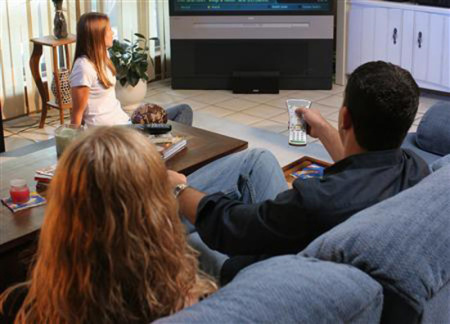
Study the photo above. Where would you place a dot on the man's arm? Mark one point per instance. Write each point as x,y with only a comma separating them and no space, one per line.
324,131
234,228
188,199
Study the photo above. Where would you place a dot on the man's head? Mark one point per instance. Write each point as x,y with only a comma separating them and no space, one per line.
380,103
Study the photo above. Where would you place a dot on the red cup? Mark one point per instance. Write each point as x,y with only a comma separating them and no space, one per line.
19,191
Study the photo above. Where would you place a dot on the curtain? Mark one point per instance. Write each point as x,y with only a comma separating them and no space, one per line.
21,20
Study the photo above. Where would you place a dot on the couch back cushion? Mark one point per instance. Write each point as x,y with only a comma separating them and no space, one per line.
403,243
433,133
290,289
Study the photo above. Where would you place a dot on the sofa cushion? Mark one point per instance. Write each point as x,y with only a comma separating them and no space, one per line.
411,144
290,289
433,133
403,243
436,165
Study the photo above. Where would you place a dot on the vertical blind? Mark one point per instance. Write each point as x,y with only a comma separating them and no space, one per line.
21,20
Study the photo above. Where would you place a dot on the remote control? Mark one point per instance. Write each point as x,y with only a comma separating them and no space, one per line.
297,126
153,129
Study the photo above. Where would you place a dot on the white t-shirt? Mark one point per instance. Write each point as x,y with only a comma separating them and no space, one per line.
103,108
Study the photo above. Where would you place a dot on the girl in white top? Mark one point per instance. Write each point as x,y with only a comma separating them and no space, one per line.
93,78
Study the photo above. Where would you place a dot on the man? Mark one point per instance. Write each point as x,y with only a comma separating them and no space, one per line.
380,104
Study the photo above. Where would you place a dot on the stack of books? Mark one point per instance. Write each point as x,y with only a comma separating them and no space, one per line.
168,145
43,177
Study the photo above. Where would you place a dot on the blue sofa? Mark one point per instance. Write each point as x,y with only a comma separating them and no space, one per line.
432,139
389,263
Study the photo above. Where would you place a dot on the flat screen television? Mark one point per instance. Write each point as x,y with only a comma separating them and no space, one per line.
250,7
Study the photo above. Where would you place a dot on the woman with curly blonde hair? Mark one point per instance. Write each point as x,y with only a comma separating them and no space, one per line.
112,248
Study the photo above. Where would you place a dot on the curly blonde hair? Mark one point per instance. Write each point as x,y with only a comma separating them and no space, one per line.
112,247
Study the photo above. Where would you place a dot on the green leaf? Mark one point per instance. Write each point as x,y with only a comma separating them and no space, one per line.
139,35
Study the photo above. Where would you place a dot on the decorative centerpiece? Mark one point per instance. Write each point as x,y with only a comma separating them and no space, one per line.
59,22
131,60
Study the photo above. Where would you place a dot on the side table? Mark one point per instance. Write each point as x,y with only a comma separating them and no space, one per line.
54,43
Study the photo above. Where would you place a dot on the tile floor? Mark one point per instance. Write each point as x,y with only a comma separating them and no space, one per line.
265,111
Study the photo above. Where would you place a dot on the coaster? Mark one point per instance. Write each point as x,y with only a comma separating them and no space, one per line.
35,200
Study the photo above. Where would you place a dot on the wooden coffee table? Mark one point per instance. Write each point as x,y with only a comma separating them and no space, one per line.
19,231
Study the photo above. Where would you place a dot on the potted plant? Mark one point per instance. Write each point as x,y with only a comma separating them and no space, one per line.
131,60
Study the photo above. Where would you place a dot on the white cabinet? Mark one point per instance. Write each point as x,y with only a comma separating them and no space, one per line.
414,37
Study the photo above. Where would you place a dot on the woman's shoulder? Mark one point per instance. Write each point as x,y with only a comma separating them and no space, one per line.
83,63
83,72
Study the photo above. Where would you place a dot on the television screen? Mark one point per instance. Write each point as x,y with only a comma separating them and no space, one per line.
249,7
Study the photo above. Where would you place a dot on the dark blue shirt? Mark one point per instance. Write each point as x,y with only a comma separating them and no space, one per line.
297,216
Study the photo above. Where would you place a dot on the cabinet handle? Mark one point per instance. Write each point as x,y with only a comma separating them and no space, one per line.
420,40
395,35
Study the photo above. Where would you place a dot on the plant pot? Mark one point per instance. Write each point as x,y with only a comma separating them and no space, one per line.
64,85
128,95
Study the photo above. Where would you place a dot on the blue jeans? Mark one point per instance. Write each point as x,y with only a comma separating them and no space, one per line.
180,113
250,176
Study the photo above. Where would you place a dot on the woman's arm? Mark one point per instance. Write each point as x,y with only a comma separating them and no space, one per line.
80,97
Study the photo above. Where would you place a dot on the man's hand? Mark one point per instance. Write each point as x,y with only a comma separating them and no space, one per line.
318,127
316,123
176,178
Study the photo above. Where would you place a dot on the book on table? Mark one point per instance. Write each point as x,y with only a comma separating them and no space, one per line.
168,145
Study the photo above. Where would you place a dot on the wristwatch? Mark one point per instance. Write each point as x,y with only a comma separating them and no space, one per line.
179,189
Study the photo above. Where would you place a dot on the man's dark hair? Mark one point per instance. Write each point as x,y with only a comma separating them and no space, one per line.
382,100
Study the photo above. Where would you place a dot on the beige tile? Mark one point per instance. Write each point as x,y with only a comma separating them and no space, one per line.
212,97
151,92
281,118
185,93
333,101
166,84
259,98
243,118
216,111
195,105
285,93
162,99
333,117
236,104
313,95
335,90
334,124
36,135
263,111
271,126
279,103
15,141
413,128
325,110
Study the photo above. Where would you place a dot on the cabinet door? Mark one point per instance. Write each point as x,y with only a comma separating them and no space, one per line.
446,54
354,38
380,48
395,36
421,40
407,40
435,49
368,35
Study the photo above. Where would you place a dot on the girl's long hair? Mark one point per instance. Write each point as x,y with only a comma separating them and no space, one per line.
91,30
112,248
